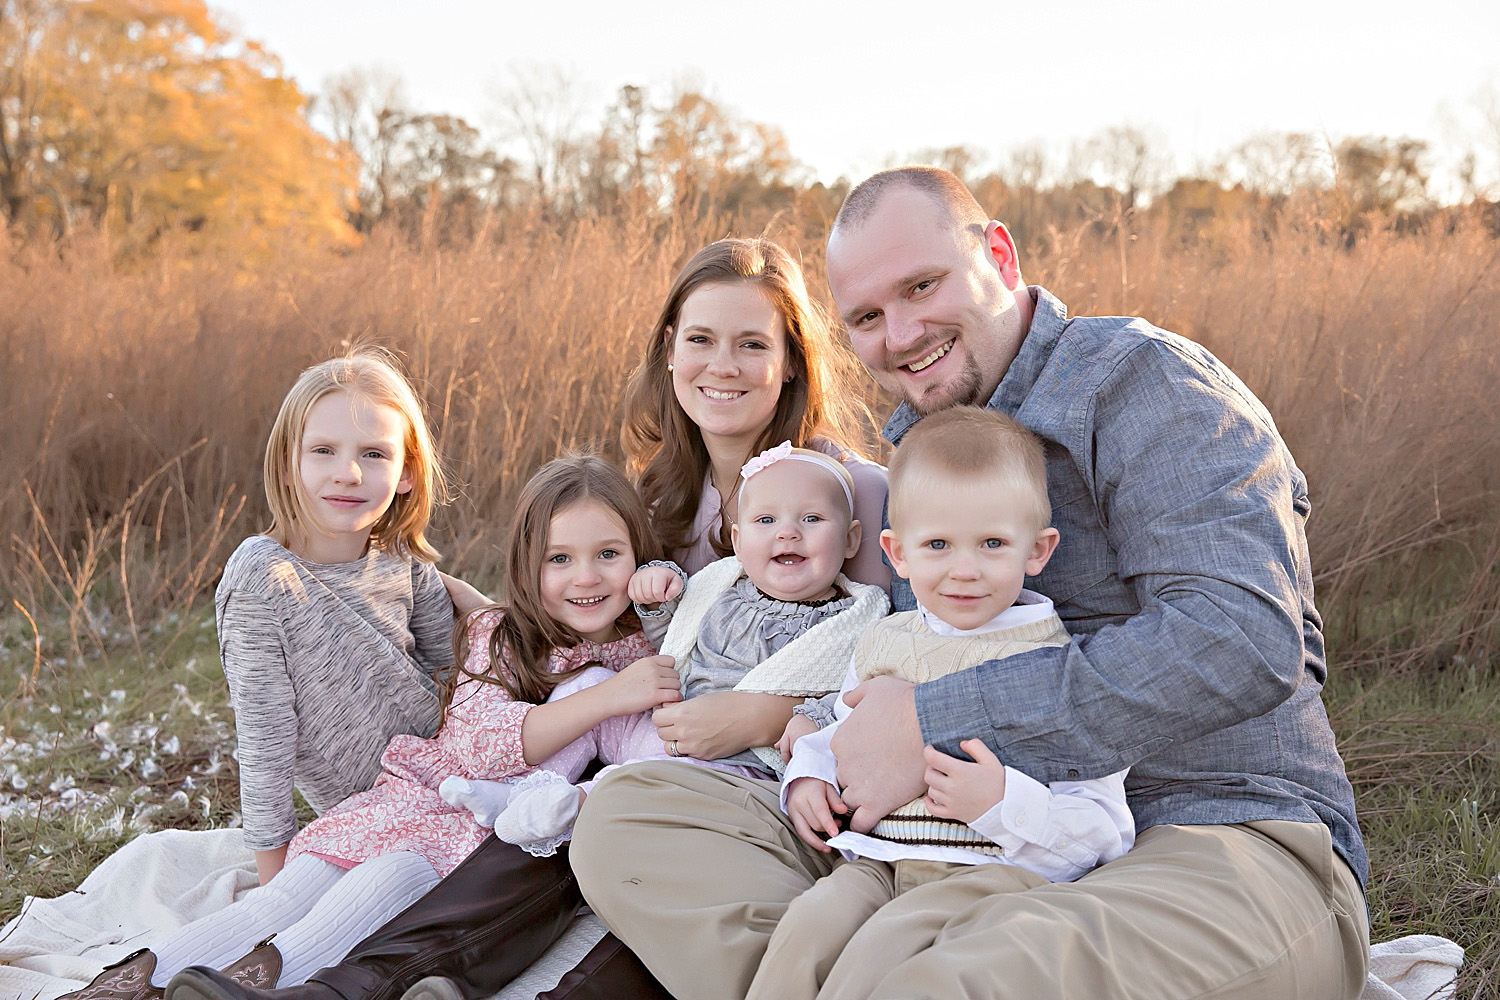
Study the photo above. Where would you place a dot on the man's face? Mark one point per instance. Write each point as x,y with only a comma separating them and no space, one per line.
929,306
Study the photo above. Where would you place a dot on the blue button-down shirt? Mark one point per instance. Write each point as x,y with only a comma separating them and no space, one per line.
1183,574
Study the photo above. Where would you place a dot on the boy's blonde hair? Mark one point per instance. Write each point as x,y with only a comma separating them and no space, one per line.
374,374
968,443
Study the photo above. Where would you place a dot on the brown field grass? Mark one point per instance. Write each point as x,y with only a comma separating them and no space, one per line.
136,400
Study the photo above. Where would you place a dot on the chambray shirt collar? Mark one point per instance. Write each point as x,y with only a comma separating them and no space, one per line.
1049,317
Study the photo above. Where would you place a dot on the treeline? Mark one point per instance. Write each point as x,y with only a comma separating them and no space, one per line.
148,121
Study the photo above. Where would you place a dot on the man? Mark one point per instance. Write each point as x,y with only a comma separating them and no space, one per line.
1197,663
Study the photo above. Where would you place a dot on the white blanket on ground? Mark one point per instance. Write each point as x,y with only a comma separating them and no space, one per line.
144,891
160,881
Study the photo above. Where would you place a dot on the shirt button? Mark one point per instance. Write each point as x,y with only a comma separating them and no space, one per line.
1072,772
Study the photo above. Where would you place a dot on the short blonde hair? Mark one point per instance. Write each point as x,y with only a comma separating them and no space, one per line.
967,443
374,374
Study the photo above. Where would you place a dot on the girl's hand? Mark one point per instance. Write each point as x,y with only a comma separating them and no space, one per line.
810,804
799,727
645,684
723,723
651,585
961,789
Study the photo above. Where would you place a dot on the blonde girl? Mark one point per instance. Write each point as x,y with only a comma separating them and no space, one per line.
334,627
574,539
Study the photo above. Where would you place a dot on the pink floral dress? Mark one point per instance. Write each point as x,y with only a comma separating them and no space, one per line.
479,738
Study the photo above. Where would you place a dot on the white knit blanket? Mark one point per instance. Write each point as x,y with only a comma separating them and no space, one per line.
810,666
160,881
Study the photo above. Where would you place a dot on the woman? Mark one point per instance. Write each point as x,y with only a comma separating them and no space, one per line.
739,360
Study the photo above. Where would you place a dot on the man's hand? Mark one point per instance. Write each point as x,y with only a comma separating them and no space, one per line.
879,750
799,727
651,585
961,789
810,805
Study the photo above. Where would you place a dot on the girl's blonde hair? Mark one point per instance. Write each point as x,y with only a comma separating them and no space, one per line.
521,643
665,450
375,375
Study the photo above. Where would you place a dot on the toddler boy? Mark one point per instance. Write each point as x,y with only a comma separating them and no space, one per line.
969,519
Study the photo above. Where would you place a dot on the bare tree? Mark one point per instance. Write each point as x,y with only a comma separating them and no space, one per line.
542,107
1279,163
1131,159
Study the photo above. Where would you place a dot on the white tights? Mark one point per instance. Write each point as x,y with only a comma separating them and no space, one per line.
317,910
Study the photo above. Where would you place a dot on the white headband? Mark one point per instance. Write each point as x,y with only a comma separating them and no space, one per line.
784,451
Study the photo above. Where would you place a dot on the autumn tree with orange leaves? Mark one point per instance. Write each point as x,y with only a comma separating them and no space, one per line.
147,119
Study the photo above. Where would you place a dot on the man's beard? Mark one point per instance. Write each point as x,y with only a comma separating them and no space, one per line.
961,390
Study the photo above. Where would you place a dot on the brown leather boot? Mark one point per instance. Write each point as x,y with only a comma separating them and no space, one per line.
198,982
127,979
259,969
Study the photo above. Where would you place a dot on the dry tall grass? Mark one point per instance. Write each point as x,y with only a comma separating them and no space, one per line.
136,400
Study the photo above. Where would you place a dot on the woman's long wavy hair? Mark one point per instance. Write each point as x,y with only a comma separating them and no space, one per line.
664,449
521,643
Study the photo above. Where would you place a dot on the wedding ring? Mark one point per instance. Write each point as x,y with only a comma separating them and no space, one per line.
672,749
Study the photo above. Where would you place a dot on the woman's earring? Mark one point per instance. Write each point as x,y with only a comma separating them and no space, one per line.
669,366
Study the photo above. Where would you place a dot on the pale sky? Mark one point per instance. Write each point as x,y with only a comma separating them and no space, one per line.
858,85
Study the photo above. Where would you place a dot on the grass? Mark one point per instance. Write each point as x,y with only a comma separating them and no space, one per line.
109,747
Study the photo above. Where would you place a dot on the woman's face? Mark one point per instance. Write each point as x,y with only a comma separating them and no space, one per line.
729,361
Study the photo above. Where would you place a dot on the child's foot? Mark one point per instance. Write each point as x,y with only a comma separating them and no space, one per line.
485,799
540,814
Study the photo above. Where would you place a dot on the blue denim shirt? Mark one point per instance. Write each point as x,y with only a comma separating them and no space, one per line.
1182,573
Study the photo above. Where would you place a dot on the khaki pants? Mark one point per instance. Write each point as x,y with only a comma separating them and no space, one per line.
694,869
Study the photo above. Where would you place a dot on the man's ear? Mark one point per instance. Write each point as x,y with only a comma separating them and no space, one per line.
851,540
1002,250
894,552
1041,550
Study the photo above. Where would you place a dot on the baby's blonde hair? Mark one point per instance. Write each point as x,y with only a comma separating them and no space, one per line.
967,443
834,466
375,375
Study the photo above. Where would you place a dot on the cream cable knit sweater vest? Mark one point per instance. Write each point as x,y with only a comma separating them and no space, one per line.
903,646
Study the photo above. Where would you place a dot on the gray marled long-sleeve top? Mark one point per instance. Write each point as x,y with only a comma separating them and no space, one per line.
325,662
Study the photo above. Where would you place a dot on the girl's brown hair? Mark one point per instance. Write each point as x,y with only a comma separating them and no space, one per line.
665,450
521,643
374,374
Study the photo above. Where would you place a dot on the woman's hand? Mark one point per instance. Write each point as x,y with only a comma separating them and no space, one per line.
724,723
645,684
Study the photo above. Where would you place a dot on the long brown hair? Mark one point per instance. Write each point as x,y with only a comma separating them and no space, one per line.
665,450
521,643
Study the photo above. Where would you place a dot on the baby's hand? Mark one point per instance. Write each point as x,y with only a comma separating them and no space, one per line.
651,585
810,804
961,789
798,727
646,683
